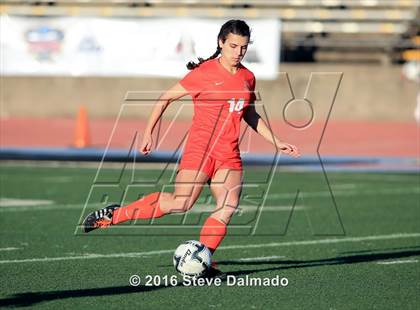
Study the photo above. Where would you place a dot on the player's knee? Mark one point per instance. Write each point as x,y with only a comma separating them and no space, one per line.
167,202
171,204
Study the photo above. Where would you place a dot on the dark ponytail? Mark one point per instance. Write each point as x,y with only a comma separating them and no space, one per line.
234,26
192,65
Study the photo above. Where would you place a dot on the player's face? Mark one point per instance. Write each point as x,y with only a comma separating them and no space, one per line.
234,48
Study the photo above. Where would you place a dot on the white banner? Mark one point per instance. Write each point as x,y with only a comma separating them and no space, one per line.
89,46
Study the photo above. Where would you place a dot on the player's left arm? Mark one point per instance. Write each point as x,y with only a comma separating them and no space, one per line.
255,121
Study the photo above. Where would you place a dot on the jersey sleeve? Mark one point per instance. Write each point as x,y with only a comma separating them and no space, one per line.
193,82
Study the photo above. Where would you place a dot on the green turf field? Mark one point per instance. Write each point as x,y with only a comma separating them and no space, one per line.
365,257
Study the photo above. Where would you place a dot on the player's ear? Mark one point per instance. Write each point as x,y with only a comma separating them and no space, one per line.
220,44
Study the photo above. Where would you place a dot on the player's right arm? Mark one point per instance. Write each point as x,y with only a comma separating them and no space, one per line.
172,94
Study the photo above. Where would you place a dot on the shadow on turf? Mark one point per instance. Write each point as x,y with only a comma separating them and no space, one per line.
29,299
377,250
340,260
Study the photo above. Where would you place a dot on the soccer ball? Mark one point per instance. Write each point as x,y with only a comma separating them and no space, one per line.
192,258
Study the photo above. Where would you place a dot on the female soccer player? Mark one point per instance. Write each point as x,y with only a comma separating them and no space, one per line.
223,93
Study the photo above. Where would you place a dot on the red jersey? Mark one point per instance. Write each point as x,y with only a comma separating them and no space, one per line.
220,99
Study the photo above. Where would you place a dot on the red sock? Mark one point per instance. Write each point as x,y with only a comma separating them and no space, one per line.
212,233
145,208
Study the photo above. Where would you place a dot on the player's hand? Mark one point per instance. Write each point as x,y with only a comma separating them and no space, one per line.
146,144
288,149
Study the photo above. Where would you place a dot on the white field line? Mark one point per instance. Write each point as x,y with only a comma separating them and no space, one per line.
232,247
325,241
47,207
337,193
344,193
16,202
10,249
83,165
257,259
367,177
154,166
58,179
406,261
246,208
198,208
344,186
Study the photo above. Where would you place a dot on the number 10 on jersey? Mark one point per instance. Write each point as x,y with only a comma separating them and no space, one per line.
236,106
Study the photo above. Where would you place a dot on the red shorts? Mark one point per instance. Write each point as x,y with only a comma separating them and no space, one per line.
208,164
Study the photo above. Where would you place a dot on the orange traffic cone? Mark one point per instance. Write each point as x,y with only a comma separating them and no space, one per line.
82,135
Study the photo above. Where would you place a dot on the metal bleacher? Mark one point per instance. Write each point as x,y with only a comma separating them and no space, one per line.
363,25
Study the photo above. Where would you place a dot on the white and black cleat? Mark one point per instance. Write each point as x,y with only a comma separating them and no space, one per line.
101,218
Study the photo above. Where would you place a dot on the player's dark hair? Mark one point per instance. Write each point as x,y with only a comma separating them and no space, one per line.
234,26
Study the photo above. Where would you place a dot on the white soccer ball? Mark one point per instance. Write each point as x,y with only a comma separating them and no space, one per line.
192,258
